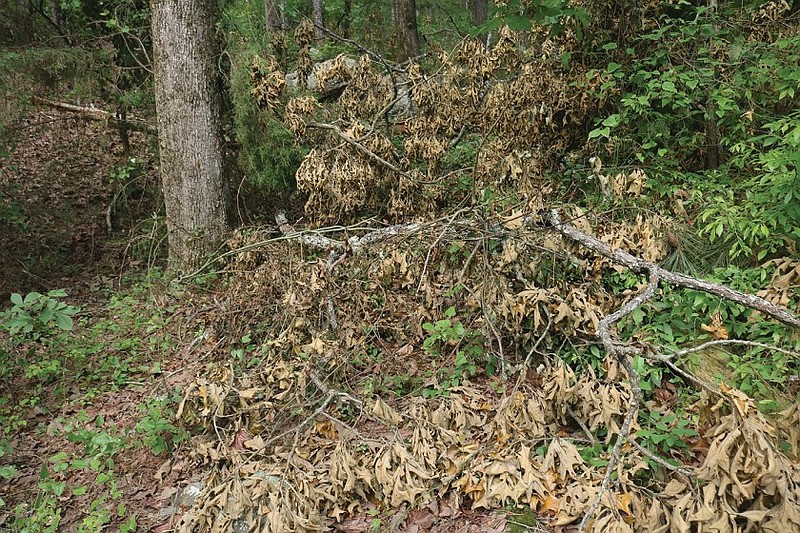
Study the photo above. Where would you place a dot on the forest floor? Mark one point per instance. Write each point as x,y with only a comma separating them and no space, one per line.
75,422
403,386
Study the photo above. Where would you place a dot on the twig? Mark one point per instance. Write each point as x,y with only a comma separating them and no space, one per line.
725,342
432,246
388,65
582,425
92,113
653,457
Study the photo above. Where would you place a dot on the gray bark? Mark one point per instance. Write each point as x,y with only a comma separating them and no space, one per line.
274,15
405,28
480,10
319,23
188,107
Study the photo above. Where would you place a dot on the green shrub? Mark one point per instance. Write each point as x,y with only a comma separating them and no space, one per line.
37,315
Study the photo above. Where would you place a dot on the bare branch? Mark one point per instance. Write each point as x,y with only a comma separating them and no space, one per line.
681,280
93,113
360,147
622,354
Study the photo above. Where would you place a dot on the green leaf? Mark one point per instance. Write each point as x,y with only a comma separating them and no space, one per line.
518,23
612,120
64,322
16,299
600,132
637,315
46,316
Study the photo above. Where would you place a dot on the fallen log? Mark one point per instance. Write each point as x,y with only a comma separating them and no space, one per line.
93,113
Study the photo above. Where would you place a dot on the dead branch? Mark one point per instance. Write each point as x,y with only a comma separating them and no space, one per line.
622,353
93,113
354,243
668,360
681,280
360,147
728,342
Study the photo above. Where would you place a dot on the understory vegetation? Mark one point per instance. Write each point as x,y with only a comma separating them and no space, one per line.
546,274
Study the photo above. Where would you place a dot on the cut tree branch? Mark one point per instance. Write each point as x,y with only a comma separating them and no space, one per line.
320,242
621,353
360,147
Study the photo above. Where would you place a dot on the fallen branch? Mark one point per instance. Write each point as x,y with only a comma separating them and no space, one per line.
354,244
93,113
360,147
681,280
622,354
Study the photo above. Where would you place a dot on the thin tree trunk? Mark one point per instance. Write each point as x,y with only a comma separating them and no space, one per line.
58,15
715,155
405,28
21,22
188,107
480,11
319,23
348,9
274,15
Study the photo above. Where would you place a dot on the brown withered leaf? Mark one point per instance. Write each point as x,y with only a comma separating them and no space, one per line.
716,328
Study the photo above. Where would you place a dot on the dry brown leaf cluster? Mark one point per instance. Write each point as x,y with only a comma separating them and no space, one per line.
301,441
484,450
482,118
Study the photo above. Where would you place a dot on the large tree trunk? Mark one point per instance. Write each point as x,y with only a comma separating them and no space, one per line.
405,29
188,106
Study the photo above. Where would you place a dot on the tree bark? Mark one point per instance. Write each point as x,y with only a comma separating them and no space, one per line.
480,11
274,15
21,22
405,29
319,23
188,107
346,15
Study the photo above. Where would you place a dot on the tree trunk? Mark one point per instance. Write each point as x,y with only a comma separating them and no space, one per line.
319,23
405,29
21,22
274,14
480,11
188,107
346,15
58,16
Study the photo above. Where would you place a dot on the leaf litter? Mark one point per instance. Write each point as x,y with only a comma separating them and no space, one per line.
317,435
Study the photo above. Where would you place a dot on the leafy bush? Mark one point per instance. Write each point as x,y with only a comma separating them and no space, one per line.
709,107
37,315
268,154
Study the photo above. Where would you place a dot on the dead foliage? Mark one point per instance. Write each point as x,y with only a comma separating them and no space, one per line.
314,435
404,142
